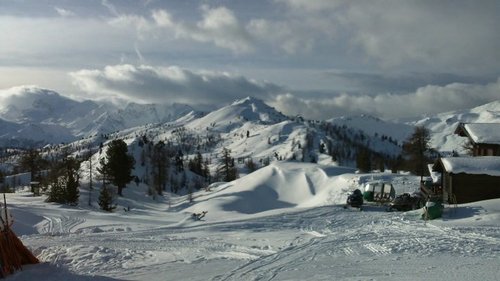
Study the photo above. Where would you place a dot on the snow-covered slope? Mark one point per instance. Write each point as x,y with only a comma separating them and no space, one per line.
239,112
32,134
443,125
133,115
284,222
373,126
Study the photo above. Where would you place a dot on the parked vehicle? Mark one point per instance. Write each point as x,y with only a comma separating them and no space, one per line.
407,201
355,199
380,192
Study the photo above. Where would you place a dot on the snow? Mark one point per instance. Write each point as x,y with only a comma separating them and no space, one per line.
282,222
442,126
435,176
371,125
481,165
484,132
42,115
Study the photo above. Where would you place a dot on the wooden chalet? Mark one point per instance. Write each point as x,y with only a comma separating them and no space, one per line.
483,137
469,179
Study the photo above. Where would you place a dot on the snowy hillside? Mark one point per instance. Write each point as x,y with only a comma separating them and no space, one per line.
239,112
60,119
32,134
373,126
133,115
443,125
284,222
252,131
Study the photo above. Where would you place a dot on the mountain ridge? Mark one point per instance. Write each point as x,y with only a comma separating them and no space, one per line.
60,119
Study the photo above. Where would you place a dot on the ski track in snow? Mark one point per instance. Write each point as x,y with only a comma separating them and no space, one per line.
59,225
315,237
338,239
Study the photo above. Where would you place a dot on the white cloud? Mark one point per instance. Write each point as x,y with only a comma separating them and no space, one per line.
207,88
283,34
141,25
308,5
169,84
426,100
111,8
218,26
162,18
64,12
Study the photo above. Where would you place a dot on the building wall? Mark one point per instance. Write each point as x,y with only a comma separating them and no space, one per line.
486,150
470,188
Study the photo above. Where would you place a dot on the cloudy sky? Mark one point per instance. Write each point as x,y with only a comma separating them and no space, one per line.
318,58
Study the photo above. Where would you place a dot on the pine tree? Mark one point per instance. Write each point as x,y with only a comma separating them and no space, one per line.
119,164
251,166
56,192
363,160
206,171
417,150
72,192
33,162
227,171
63,181
106,200
159,166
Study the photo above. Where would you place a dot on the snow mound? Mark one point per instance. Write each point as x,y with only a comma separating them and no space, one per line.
277,186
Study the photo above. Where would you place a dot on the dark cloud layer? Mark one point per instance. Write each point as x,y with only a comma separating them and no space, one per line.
169,85
202,88
403,82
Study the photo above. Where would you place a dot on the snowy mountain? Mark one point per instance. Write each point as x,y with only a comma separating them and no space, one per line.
32,104
283,221
443,125
253,131
133,115
60,119
239,112
57,119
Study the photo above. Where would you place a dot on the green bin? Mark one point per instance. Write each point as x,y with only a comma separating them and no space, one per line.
433,210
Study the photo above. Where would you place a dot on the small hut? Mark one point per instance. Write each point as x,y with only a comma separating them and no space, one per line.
13,254
484,138
469,179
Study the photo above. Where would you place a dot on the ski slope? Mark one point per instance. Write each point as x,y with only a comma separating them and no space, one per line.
282,222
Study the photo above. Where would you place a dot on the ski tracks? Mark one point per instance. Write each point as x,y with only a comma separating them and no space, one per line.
60,225
357,237
267,267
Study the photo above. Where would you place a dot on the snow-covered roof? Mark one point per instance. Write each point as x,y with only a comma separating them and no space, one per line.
436,176
483,132
483,165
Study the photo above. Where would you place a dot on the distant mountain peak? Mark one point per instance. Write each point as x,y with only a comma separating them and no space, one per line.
247,100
